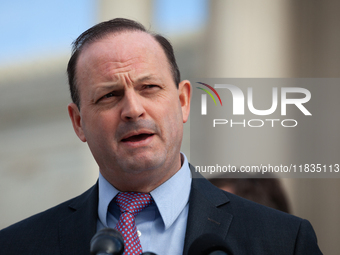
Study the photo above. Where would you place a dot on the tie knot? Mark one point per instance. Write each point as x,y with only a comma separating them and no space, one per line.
133,202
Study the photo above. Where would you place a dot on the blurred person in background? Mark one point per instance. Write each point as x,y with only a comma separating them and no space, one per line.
265,191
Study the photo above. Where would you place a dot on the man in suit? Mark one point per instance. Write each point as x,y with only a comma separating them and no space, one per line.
129,105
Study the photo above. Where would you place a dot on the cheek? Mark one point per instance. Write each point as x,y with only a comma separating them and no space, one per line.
107,122
173,120
100,125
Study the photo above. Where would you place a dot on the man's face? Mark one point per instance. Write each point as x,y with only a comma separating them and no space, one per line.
131,112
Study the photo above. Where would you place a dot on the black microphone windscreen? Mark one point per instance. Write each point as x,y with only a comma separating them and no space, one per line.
209,244
107,241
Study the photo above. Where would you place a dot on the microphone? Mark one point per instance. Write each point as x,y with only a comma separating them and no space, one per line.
209,244
107,241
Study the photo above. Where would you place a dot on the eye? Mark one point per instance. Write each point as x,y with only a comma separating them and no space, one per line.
112,94
150,86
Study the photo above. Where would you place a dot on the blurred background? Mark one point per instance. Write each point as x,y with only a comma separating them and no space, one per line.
43,163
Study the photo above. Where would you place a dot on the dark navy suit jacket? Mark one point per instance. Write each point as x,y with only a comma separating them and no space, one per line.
246,227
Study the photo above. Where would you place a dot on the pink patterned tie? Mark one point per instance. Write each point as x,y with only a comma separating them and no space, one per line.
130,204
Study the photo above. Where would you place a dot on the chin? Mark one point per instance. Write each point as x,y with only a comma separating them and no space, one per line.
144,164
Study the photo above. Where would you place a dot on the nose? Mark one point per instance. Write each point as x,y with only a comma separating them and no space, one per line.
132,108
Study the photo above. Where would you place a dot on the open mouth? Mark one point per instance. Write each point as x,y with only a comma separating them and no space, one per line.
136,138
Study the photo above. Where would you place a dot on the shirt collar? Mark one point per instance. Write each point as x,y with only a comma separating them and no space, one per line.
173,195
170,198
106,193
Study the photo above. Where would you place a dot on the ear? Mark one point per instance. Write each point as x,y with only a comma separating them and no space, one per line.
75,117
184,90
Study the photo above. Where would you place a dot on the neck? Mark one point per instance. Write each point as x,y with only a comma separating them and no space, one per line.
144,181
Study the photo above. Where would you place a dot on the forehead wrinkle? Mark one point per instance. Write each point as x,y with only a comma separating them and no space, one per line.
129,71
121,67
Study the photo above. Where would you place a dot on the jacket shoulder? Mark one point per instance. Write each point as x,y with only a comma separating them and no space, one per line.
273,228
254,228
41,229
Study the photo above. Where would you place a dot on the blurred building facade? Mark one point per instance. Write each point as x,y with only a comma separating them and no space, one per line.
43,163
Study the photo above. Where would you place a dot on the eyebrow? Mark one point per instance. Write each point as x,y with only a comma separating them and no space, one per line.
108,86
111,86
154,78
145,78
104,88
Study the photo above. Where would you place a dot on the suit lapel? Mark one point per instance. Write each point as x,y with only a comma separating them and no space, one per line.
208,211
77,229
